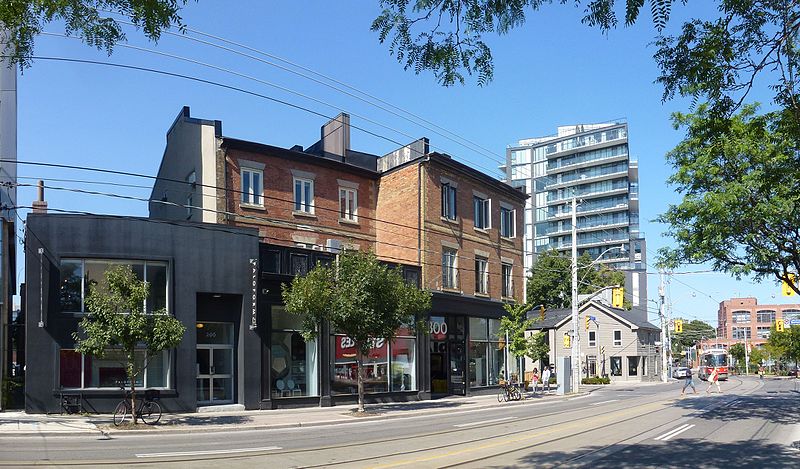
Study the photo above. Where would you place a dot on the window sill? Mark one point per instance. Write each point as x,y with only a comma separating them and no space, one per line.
451,290
303,214
507,239
345,221
251,206
449,220
482,295
483,231
508,298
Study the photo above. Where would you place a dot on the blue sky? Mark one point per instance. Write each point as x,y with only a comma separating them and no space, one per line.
552,71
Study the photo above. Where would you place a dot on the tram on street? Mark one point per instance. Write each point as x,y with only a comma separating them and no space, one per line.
714,358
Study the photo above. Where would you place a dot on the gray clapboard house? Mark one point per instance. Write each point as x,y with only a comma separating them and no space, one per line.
618,343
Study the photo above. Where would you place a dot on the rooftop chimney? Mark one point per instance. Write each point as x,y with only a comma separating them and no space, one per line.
40,206
335,135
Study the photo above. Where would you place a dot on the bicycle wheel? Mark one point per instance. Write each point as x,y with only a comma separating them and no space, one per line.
515,394
501,396
150,413
120,413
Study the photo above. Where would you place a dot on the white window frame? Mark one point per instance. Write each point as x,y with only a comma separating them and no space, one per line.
449,207
451,268
592,338
617,343
306,194
512,214
508,280
350,215
485,210
481,275
247,173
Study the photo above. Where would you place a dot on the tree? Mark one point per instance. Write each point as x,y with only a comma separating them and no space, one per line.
757,356
738,353
446,36
117,320
741,193
359,297
91,19
786,343
693,332
550,280
514,324
538,348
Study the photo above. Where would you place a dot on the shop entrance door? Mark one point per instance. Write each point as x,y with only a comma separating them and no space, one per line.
214,363
458,360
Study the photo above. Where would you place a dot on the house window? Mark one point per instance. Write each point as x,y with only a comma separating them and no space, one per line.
348,204
617,338
633,366
506,222
449,269
303,195
592,338
481,276
481,209
448,201
252,186
298,263
616,365
508,290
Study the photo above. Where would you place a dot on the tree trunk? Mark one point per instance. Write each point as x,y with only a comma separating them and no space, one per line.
132,378
360,365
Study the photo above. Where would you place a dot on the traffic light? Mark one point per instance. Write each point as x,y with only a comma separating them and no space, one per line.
588,320
541,312
786,288
617,295
779,325
567,341
678,326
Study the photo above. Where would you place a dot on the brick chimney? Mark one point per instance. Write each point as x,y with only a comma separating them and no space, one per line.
40,206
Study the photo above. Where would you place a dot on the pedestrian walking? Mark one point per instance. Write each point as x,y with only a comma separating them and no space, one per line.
688,382
713,379
535,380
761,372
545,379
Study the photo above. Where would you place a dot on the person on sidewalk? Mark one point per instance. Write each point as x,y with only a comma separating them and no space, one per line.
713,379
761,372
535,380
545,379
688,382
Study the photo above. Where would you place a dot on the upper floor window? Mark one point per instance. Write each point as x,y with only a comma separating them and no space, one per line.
303,195
741,316
348,204
592,338
449,269
765,315
482,212
506,222
508,290
617,338
252,186
481,276
79,275
448,201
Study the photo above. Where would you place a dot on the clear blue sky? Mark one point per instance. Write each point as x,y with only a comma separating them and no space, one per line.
552,71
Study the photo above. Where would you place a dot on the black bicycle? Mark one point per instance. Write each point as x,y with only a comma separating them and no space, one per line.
508,392
149,411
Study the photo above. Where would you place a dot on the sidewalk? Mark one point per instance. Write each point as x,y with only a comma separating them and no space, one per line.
22,424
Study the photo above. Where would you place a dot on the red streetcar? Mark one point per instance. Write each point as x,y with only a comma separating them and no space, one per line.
714,358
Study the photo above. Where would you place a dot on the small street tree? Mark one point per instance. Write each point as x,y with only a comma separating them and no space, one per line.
786,343
117,320
738,353
359,297
515,323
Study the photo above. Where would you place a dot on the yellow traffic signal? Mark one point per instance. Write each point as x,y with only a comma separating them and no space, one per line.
779,325
617,295
567,341
678,326
588,320
786,288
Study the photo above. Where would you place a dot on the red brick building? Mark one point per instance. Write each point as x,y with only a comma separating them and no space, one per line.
741,319
452,229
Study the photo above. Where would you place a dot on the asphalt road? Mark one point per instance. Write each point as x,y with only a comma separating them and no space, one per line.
751,424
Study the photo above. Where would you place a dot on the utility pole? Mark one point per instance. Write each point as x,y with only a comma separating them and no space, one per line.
669,333
576,343
664,376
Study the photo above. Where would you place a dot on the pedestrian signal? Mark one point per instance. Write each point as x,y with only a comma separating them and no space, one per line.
786,287
617,295
678,326
779,325
567,341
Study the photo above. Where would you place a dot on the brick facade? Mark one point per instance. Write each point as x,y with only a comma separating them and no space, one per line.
738,316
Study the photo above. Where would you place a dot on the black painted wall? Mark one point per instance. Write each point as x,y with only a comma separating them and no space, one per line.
205,259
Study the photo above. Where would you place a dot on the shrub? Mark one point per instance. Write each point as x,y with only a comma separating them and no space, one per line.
596,380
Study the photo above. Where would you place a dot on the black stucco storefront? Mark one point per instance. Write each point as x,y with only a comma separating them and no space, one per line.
204,277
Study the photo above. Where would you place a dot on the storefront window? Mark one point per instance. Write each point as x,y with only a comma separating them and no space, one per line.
295,362
616,366
344,379
85,371
633,366
478,366
404,376
487,356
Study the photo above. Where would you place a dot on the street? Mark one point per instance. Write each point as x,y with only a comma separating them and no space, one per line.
750,424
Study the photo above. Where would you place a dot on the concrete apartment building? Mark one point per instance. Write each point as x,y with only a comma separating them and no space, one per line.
743,319
591,162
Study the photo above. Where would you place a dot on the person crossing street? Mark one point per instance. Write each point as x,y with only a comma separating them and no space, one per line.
713,379
688,382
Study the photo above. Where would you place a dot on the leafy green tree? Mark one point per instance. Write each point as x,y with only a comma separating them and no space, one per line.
738,353
550,280
359,297
514,324
757,357
693,332
117,320
447,36
538,348
786,343
741,190
92,20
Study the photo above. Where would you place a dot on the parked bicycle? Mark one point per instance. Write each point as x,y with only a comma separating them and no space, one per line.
508,392
148,410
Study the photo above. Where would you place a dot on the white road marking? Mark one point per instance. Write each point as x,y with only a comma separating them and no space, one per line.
482,422
678,433
604,402
212,451
669,433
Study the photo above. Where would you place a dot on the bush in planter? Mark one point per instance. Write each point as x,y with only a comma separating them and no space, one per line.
596,380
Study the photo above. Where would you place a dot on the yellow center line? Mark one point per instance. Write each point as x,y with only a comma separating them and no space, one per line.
559,427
